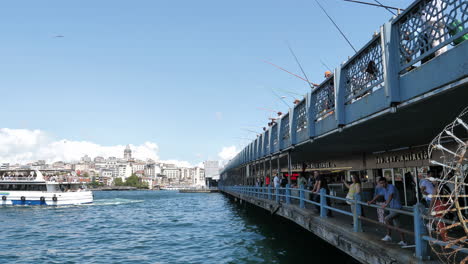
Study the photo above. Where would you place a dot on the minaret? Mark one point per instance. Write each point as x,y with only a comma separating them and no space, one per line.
128,153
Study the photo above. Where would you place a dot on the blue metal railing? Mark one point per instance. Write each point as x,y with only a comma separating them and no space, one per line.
285,132
301,121
364,72
428,28
324,99
288,194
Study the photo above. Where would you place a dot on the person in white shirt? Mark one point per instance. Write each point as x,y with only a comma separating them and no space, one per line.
427,188
276,181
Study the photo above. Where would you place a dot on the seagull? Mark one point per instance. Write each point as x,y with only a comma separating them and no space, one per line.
59,36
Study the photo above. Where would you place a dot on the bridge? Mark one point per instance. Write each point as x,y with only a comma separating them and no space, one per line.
376,114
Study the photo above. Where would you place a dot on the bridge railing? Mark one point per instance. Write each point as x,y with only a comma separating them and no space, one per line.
428,28
364,72
324,100
285,132
322,202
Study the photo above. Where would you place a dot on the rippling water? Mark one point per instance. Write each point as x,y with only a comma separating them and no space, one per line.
156,227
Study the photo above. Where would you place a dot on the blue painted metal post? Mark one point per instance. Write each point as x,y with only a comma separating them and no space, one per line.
269,192
288,193
357,213
340,90
277,194
292,125
419,230
311,112
323,203
391,60
301,196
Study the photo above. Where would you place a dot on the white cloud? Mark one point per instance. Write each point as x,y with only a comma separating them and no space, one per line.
23,146
228,153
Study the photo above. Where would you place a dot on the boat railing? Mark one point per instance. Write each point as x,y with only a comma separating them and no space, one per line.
11,178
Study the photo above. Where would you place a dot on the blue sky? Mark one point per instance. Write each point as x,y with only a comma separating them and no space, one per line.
186,75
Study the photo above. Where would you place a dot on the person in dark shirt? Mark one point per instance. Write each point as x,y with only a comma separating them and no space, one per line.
321,183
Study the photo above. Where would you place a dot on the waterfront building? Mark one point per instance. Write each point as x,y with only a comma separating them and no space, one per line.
171,172
124,171
211,169
152,169
138,166
199,177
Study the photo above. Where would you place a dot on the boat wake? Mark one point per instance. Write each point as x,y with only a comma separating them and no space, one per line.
115,201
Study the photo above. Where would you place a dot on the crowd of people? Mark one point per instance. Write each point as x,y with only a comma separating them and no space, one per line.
386,196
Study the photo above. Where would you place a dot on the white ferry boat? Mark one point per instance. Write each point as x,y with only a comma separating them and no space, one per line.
31,187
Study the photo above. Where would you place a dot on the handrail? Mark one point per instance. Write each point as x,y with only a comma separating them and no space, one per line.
284,194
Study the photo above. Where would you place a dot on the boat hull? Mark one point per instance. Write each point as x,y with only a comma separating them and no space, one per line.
45,198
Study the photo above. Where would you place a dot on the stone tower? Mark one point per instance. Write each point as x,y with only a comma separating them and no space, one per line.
127,153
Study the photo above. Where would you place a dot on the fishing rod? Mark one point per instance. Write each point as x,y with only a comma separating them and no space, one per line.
281,98
279,113
285,70
326,66
244,138
300,66
331,19
289,92
388,8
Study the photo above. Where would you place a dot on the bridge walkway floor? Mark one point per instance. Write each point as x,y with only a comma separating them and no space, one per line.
371,235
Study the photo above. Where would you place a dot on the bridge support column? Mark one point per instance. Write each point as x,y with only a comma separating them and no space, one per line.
421,250
301,196
288,193
269,192
277,194
356,213
323,203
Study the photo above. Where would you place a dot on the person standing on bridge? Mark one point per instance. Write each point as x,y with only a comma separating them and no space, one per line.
321,183
276,181
301,180
354,188
392,199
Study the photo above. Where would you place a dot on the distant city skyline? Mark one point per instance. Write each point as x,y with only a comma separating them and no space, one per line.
176,80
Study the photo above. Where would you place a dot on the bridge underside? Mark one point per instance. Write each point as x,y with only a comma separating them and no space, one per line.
411,125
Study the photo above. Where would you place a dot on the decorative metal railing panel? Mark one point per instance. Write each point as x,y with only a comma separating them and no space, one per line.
364,72
274,135
285,135
325,99
260,146
266,143
301,121
429,28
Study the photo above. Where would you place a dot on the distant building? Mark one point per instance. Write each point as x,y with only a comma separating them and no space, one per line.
86,159
127,153
171,172
211,169
137,166
152,170
125,171
99,159
4,166
59,165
